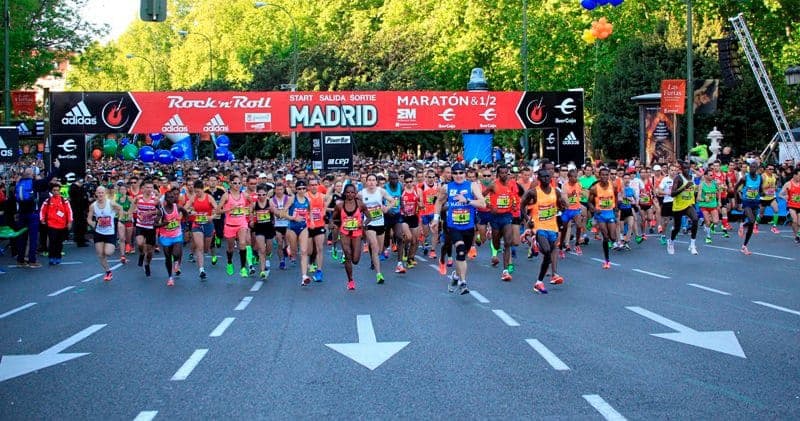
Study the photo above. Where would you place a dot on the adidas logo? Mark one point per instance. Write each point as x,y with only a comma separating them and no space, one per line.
5,151
79,115
174,125
23,129
216,124
3,143
571,139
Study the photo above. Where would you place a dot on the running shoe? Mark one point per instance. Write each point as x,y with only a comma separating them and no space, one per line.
411,263
351,285
606,265
755,228
229,269
386,253
693,250
495,261
562,254
639,239
399,268
252,270
539,287
442,268
462,288
217,242
505,276
510,268
449,262
318,275
203,274
670,247
263,274
176,268
708,240
213,260
146,270
662,240
170,282
578,250
745,251
530,253
725,234
535,248
191,257
244,273
282,264
626,246
379,278
141,260
394,247
774,230
473,253
797,239
306,280
557,279
432,254
365,249
108,276
123,260
454,279
741,230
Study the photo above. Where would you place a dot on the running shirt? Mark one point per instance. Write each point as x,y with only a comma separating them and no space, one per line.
793,195
545,211
460,216
316,210
299,209
262,217
646,195
709,195
396,195
202,210
374,203
750,189
574,195
236,210
604,198
666,186
280,206
146,212
586,183
352,222
628,196
686,197
105,219
172,229
429,198
770,186
409,203
125,202
503,196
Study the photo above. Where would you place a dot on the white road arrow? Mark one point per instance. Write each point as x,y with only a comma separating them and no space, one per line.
368,351
17,365
721,341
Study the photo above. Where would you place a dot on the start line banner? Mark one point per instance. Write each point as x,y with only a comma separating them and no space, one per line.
258,112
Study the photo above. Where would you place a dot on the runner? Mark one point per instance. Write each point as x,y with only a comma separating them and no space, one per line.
102,217
145,207
374,198
235,206
502,193
708,202
125,223
170,233
461,197
348,216
297,234
201,209
546,202
279,203
770,187
429,188
602,201
751,188
628,201
572,214
262,224
315,221
791,193
664,193
683,194
216,192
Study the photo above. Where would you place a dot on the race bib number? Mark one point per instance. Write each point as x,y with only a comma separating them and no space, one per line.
770,191
238,211
795,198
173,225
316,215
375,212
584,195
503,201
606,202
645,199
547,213
709,197
751,194
104,221
461,216
430,200
351,224
572,199
263,217
201,218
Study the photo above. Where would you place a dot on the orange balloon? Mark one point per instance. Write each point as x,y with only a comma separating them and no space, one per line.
97,154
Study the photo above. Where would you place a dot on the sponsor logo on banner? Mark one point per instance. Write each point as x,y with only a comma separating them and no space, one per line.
551,138
338,162
216,124
567,106
79,115
71,153
235,101
174,125
344,115
565,120
4,149
571,139
69,146
536,113
448,115
258,121
114,113
337,140
489,114
9,144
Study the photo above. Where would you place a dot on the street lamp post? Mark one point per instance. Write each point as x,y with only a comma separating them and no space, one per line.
184,34
152,66
689,80
6,67
293,83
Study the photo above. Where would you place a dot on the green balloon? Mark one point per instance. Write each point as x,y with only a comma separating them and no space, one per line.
130,152
110,147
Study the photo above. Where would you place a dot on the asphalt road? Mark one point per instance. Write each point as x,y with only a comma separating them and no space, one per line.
229,349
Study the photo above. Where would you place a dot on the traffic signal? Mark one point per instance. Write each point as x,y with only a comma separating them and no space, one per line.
153,10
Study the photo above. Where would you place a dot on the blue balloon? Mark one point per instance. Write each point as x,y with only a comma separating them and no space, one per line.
176,151
164,156
39,155
147,154
124,141
221,154
155,137
601,2
588,4
223,141
616,3
231,156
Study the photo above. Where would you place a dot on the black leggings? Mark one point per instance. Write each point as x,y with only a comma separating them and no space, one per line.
55,242
690,213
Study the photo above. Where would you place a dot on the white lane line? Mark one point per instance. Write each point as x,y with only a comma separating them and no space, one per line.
243,304
257,286
92,278
220,329
603,408
716,291
505,318
16,310
761,303
61,291
548,355
603,261
190,364
651,274
756,253
421,258
478,296
434,267
146,416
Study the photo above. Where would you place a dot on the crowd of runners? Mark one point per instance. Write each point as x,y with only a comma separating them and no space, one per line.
272,214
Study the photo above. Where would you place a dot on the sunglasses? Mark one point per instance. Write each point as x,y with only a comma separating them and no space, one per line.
301,188
262,194
458,172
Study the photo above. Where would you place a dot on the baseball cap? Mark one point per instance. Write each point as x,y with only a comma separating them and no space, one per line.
289,177
656,167
458,167
262,175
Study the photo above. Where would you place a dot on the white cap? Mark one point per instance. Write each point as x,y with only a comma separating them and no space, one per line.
262,175
656,167
289,177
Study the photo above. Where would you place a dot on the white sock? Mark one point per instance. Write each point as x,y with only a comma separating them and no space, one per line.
691,243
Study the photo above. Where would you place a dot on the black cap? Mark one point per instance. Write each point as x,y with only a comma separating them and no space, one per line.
458,167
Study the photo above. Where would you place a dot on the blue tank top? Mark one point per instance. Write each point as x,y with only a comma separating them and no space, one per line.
751,188
396,194
298,208
624,203
460,216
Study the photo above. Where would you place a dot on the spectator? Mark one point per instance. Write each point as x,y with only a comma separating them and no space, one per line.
27,217
80,208
56,215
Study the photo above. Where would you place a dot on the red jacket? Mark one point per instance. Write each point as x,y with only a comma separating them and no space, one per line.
56,213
